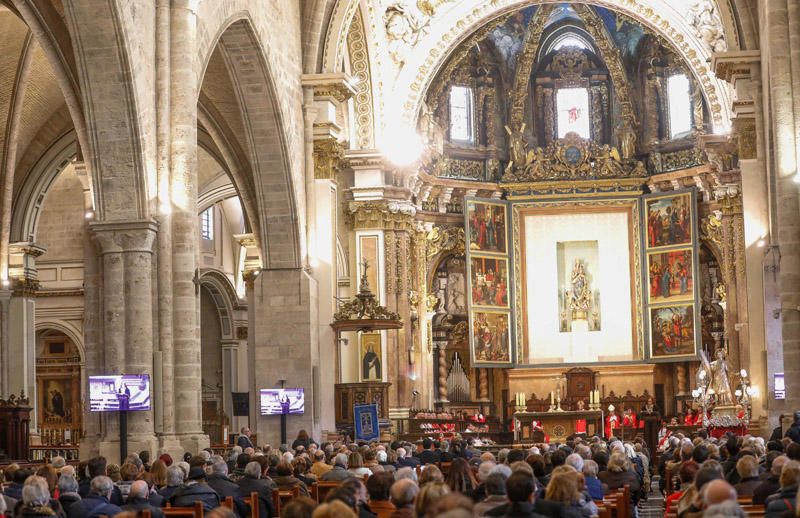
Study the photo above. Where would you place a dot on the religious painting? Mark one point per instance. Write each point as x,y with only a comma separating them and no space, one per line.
672,331
57,399
371,364
669,220
489,286
487,227
670,276
578,286
491,337
368,248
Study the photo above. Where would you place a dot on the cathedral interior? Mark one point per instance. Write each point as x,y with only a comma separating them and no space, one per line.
454,210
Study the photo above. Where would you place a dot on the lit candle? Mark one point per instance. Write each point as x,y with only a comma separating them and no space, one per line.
552,398
521,399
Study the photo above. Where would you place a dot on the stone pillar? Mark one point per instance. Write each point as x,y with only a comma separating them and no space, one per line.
780,37
126,249
326,97
185,373
230,374
285,332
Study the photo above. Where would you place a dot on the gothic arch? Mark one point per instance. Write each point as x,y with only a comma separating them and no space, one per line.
30,197
224,296
117,113
265,144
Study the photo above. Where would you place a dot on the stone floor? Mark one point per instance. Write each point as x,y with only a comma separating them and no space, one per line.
654,507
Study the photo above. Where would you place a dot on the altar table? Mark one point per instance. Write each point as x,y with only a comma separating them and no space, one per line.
558,425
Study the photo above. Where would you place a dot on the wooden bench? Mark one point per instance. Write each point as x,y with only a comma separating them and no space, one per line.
323,487
279,496
184,512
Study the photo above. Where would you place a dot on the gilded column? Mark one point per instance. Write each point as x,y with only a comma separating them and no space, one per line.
735,283
483,384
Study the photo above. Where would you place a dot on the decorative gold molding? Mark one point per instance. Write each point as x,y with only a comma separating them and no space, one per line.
711,229
445,238
359,62
329,158
744,128
527,57
381,215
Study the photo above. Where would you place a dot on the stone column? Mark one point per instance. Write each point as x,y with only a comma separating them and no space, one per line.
185,355
284,324
781,34
126,249
230,374
325,101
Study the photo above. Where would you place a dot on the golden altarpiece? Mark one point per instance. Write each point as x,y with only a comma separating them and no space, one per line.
553,106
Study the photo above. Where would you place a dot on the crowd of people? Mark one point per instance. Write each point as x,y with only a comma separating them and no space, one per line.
700,476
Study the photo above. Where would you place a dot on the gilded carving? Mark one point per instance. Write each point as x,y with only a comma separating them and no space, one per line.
385,215
747,139
572,158
711,229
445,239
527,56
664,162
360,68
329,159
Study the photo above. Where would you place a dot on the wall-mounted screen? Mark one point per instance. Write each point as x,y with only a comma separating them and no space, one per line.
117,392
780,386
282,401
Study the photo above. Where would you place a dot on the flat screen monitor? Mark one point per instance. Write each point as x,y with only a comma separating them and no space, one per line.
282,401
117,392
780,386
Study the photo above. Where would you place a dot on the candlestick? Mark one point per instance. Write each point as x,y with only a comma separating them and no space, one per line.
552,398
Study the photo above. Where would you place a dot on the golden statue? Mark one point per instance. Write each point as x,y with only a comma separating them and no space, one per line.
581,297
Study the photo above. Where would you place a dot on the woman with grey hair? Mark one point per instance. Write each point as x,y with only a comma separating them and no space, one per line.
68,492
36,499
175,478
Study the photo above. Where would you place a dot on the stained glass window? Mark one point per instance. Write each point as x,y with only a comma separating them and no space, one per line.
572,105
461,114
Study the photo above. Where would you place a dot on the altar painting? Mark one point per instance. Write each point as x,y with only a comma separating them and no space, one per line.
669,220
489,281
371,364
672,331
487,227
491,337
670,276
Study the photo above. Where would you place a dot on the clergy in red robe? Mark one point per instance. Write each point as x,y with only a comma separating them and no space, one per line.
629,419
612,421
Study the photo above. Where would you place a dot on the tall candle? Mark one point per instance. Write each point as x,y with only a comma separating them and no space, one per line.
552,398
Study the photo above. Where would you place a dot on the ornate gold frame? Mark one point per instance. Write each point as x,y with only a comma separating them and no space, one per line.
631,205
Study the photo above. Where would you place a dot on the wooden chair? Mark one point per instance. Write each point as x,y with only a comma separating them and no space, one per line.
228,502
185,512
313,492
382,508
324,487
283,496
252,502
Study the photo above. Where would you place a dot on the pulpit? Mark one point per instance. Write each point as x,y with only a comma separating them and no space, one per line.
15,420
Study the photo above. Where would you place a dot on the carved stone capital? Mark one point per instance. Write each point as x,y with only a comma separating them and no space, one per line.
329,158
124,236
338,86
728,65
383,215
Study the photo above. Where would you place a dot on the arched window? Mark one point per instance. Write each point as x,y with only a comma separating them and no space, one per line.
461,114
207,224
679,99
569,39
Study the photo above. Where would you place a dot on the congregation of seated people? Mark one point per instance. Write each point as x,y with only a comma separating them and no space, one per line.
698,476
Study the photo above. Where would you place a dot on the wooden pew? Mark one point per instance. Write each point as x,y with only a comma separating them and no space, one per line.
184,512
280,497
252,502
324,487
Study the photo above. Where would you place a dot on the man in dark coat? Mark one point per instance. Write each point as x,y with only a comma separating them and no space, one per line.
225,487
252,482
14,490
519,487
243,441
174,482
138,500
97,502
97,467
793,432
428,455
195,489
771,484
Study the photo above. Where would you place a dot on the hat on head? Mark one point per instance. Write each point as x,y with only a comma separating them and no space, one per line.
166,458
196,473
610,408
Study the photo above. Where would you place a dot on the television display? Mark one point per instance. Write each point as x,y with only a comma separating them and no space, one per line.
282,401
117,392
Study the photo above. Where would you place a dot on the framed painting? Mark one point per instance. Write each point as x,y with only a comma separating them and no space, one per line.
489,281
371,366
672,331
487,227
669,220
490,338
670,276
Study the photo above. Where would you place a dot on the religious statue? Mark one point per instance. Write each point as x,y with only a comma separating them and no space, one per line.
580,297
403,30
516,149
718,370
705,19
627,140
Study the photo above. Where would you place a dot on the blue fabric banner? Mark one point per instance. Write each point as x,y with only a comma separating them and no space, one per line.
366,422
